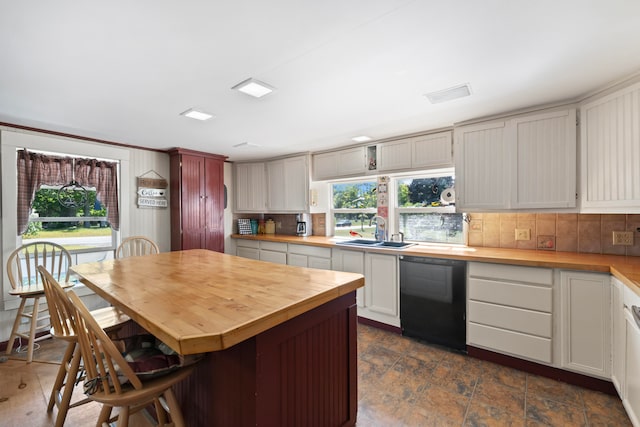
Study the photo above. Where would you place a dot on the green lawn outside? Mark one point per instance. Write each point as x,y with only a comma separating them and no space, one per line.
71,232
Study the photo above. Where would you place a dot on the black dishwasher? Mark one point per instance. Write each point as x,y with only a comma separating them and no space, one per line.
433,300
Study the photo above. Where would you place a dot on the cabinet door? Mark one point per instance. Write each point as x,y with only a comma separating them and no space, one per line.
213,205
339,164
586,322
297,260
192,194
288,185
251,253
610,132
432,151
250,187
618,338
351,262
296,180
317,262
395,155
481,158
381,292
272,256
544,175
276,185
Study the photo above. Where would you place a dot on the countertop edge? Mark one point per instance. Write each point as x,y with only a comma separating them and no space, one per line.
625,268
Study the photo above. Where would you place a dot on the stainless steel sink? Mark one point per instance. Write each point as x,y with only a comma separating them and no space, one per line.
367,243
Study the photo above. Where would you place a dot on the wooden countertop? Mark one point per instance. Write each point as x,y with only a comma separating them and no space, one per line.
627,269
199,301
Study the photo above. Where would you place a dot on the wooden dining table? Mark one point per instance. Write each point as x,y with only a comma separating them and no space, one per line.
280,341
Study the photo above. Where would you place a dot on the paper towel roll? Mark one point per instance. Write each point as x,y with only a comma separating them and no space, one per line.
448,196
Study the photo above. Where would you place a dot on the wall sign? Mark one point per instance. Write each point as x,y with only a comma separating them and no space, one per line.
152,192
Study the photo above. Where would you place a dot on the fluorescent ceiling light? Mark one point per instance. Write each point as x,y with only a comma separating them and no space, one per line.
195,114
254,87
361,138
449,94
246,145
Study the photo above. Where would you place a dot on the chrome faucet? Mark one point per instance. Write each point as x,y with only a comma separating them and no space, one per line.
400,235
381,232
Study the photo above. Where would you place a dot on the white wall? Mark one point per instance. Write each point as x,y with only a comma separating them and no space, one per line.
229,243
153,223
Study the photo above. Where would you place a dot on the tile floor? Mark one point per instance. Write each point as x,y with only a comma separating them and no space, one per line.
402,382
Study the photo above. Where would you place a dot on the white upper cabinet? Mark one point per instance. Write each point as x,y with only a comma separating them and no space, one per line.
288,184
340,164
544,175
250,187
482,167
610,152
420,152
522,163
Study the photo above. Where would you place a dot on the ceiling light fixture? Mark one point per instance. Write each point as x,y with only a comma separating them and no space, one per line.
449,94
254,87
196,114
361,138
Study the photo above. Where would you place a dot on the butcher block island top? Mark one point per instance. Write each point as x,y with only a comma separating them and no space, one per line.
199,301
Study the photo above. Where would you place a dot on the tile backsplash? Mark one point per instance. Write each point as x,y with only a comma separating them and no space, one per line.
585,233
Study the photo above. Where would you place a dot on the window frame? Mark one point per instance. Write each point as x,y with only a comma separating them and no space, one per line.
333,210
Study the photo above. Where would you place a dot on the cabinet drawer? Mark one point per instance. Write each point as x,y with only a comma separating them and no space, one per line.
535,275
274,246
251,253
271,256
515,319
310,250
248,243
515,295
515,343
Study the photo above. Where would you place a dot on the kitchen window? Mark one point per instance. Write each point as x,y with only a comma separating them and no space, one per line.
353,205
425,209
53,205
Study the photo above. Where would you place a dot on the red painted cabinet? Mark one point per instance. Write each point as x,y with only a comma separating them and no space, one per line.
197,200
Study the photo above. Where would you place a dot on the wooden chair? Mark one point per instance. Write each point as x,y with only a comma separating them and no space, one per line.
25,283
62,327
136,246
106,369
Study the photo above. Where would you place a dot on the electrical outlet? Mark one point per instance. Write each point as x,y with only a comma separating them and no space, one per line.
623,238
523,234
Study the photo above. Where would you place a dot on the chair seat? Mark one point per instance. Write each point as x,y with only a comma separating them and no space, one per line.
31,291
151,389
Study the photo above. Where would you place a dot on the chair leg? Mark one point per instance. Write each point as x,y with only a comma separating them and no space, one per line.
160,412
62,374
105,414
16,325
72,373
32,328
174,409
123,417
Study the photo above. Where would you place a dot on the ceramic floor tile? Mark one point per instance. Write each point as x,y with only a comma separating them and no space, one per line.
505,375
554,413
443,403
491,392
546,388
486,415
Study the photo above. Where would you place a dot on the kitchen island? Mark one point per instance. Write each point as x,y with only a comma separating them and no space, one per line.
280,340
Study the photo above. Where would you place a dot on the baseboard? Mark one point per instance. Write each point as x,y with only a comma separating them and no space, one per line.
557,374
380,325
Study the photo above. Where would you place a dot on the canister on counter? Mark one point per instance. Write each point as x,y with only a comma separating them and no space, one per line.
254,226
270,227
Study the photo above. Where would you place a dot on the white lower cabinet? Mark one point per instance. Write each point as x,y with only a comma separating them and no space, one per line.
351,262
309,256
585,323
381,293
618,332
248,249
379,299
631,395
509,310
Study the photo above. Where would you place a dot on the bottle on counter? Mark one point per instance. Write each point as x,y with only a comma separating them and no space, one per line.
261,226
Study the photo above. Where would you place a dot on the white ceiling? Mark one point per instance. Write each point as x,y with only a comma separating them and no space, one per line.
122,71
